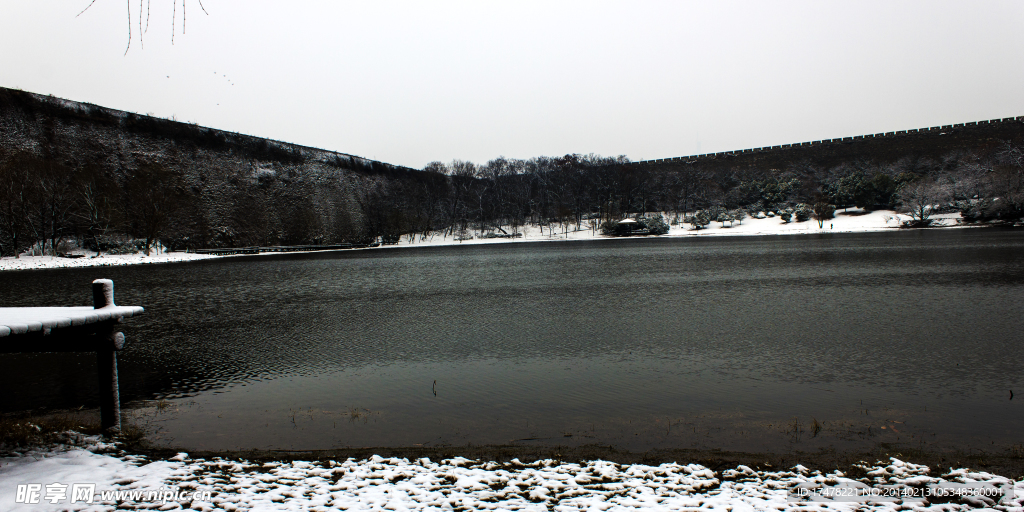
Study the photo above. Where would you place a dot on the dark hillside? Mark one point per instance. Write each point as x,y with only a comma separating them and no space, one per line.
107,178
48,113
217,188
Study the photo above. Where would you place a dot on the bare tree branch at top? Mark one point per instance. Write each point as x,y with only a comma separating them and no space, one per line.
174,18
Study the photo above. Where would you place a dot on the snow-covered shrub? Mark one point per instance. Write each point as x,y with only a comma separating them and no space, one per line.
620,228
699,220
724,217
128,247
916,223
119,245
656,225
803,212
716,212
739,214
988,209
971,210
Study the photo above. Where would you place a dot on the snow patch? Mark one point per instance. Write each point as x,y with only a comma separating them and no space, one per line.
399,484
848,221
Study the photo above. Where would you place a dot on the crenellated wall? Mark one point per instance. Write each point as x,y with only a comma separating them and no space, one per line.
979,136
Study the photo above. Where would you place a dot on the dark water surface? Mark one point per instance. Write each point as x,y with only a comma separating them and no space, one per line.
742,343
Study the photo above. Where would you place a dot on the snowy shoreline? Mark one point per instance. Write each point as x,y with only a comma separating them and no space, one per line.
377,483
852,221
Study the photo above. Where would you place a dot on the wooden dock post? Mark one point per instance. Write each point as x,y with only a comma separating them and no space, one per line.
75,329
106,359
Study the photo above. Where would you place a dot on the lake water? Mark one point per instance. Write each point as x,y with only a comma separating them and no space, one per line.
746,343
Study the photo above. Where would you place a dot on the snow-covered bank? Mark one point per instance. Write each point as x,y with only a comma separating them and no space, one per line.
107,260
461,484
852,221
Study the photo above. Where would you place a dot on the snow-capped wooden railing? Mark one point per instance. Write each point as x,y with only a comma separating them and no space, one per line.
75,329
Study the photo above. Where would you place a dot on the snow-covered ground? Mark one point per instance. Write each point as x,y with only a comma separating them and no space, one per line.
851,221
34,480
107,260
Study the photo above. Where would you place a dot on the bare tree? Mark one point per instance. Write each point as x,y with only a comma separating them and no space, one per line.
152,196
14,205
462,175
96,194
1008,178
56,200
145,4
919,199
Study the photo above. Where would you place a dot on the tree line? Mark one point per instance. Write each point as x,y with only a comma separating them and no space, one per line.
47,205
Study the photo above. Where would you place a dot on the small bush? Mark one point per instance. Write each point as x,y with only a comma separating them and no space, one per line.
739,214
619,228
717,213
118,245
656,224
724,217
803,212
699,220
916,223
986,209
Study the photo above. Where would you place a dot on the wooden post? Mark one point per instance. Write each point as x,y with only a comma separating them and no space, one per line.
106,360
102,293
110,405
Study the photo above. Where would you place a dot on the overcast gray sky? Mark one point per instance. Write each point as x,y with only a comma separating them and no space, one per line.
412,82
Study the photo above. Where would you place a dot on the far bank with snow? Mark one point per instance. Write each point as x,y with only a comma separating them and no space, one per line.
849,221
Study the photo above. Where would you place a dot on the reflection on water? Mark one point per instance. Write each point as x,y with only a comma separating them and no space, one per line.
746,343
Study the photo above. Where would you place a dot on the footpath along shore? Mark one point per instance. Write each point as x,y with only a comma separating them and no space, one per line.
851,221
